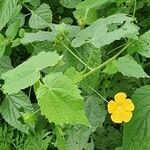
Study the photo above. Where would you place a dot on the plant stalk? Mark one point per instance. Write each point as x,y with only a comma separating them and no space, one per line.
106,62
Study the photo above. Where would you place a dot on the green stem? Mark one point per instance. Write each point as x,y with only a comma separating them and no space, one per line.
76,57
105,63
29,95
98,93
90,57
36,111
115,49
73,47
134,9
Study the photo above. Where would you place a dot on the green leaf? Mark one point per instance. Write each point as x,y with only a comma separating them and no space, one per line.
69,3
136,133
129,67
12,108
73,75
6,137
88,4
41,46
117,83
95,111
13,29
7,8
60,142
99,33
86,11
16,14
78,138
141,45
5,64
38,37
90,146
38,140
41,17
63,29
111,68
90,17
27,73
35,3
67,20
144,44
15,23
15,43
107,138
60,100
3,45
29,117
119,148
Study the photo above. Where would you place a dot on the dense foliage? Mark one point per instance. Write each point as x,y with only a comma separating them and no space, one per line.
61,62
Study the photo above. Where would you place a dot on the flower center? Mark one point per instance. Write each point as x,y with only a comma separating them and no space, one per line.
119,109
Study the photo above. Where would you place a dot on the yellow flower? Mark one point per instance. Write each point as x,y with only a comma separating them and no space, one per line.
121,108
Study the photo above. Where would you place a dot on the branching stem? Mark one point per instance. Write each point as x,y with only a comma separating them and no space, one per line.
105,63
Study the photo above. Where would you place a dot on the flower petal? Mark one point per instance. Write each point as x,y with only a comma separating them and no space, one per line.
128,105
112,106
120,97
126,116
116,117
